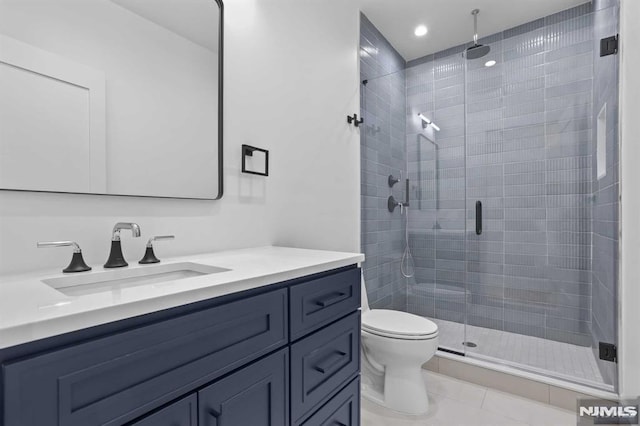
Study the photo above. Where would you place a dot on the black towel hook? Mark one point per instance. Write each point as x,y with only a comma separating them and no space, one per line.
355,120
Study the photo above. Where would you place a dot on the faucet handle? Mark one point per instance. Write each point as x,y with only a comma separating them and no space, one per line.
159,238
149,255
77,263
45,244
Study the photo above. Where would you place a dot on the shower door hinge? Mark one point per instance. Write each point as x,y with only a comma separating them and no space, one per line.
608,352
609,45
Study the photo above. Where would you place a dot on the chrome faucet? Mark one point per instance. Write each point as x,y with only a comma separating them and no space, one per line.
135,230
116,259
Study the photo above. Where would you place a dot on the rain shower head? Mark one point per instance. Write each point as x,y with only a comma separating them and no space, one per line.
477,50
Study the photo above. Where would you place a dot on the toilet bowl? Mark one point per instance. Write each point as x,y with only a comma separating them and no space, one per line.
395,344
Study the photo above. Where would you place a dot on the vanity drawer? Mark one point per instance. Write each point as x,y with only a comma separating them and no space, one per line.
320,301
343,409
322,363
180,413
112,380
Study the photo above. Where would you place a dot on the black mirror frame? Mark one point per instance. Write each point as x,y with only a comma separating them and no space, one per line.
220,101
220,134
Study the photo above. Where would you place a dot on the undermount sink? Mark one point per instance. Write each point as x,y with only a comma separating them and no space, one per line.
98,282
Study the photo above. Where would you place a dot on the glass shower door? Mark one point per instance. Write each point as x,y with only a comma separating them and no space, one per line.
436,221
542,197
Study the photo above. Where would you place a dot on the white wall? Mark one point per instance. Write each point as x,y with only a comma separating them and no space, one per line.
629,296
290,80
314,157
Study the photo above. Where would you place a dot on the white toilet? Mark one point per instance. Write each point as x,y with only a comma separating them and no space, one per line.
394,346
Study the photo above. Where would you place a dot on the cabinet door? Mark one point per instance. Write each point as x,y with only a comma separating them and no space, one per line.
257,395
181,413
342,410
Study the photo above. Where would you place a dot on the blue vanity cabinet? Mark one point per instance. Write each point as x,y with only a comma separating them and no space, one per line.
180,413
117,378
275,356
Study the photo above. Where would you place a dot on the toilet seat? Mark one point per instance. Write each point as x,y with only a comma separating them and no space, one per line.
398,325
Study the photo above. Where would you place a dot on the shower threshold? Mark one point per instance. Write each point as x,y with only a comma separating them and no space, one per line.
560,360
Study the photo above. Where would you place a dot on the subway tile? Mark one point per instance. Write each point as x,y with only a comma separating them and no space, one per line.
526,44
572,50
453,51
579,339
569,14
569,63
523,29
568,33
526,329
569,88
481,321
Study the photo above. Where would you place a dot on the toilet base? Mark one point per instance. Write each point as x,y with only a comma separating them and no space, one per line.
392,369
405,390
401,389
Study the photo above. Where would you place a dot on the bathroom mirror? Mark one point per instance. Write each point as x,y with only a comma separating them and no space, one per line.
116,97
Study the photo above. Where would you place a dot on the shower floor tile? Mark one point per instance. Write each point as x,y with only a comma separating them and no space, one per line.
563,360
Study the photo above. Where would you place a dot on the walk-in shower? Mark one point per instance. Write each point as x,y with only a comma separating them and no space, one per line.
513,220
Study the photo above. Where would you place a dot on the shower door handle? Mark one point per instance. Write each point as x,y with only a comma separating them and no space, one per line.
406,194
478,217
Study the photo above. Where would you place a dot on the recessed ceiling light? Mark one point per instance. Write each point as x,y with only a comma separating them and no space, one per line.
490,63
420,30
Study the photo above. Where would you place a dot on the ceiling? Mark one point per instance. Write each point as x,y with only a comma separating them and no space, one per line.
195,20
450,22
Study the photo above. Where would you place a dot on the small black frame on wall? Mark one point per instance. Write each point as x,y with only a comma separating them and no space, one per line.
247,151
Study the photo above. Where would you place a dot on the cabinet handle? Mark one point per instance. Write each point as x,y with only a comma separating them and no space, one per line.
214,413
327,365
478,217
331,299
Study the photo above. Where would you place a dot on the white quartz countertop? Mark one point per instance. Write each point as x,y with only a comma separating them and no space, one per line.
31,310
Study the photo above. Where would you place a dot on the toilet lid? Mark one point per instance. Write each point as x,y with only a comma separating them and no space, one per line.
397,323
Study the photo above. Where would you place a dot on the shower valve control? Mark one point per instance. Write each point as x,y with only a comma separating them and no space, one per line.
392,204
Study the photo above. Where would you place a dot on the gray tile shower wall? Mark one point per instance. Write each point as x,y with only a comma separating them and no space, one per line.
527,154
382,153
605,189
436,162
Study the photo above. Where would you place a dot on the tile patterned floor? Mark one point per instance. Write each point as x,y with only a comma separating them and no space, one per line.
458,403
563,360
